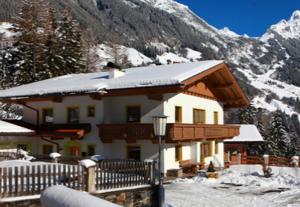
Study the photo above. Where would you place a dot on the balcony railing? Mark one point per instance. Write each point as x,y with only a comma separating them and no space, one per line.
174,133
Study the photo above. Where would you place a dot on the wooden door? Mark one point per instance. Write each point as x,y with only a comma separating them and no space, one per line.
75,151
202,153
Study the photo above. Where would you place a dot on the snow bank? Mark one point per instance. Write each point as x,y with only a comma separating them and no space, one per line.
252,175
193,54
61,196
106,54
169,57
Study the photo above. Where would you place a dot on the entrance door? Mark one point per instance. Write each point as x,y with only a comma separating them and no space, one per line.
75,151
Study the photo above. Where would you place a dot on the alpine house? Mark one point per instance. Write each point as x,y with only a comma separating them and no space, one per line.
110,113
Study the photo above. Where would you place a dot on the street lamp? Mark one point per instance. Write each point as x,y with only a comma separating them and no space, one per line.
160,124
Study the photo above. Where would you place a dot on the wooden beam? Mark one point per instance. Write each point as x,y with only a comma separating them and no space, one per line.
233,101
228,85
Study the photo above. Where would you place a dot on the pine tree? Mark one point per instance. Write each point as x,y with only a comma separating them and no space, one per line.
69,40
31,41
279,141
248,115
52,61
91,58
9,58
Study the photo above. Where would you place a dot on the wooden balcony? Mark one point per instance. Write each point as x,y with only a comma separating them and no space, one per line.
175,132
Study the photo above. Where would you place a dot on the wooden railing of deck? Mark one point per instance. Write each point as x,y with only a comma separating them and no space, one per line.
175,132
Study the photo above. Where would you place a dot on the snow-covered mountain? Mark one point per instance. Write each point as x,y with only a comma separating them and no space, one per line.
285,28
165,31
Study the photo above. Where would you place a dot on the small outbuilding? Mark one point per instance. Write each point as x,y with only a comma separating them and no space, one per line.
249,135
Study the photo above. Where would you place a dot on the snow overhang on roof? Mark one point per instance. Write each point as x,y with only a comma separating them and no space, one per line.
8,129
248,133
173,75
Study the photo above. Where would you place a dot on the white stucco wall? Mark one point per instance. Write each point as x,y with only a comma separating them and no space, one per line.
188,103
113,110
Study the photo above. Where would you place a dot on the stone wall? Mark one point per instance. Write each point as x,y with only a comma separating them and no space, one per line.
28,203
139,197
135,197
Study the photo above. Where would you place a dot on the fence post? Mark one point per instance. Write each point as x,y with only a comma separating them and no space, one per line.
54,156
295,161
239,158
89,173
151,171
266,160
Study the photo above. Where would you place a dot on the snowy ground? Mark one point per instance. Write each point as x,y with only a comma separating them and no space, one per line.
239,186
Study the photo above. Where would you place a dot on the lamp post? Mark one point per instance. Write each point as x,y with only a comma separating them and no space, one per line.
159,124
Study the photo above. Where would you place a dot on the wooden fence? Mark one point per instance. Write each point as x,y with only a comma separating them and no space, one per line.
272,161
123,173
109,174
33,179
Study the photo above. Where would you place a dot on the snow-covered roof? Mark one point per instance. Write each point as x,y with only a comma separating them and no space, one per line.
9,128
248,133
149,76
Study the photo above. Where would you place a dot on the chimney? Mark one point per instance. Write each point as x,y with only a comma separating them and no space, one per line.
115,73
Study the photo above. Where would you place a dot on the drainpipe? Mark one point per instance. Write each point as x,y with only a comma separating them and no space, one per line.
36,111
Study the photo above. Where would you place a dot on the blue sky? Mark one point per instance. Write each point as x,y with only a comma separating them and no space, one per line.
252,17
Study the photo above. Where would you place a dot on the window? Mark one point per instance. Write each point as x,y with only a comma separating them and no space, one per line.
47,116
134,152
178,152
216,147
206,150
91,150
199,116
91,111
73,115
216,117
47,149
178,114
133,114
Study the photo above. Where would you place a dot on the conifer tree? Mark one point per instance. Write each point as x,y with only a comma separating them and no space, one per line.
279,142
69,40
248,115
52,61
27,42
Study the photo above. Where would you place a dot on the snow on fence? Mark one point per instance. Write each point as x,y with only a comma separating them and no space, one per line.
24,180
123,173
